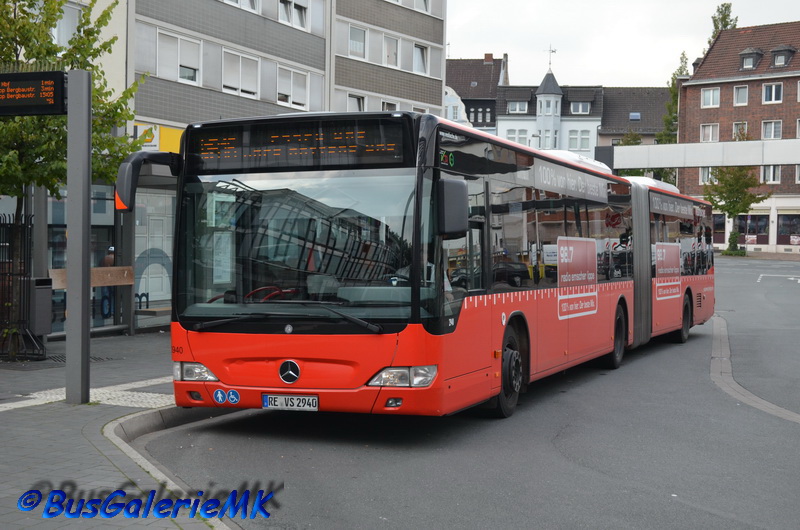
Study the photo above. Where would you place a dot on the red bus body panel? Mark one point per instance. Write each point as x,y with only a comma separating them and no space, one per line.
565,326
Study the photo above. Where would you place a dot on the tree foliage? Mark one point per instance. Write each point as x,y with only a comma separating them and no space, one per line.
722,19
669,134
33,148
732,190
631,138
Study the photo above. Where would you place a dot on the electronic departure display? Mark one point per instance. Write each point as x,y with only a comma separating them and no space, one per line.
274,145
29,93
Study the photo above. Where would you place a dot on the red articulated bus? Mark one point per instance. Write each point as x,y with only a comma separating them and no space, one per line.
398,263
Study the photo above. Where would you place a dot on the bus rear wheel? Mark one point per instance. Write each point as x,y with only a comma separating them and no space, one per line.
682,335
614,359
511,375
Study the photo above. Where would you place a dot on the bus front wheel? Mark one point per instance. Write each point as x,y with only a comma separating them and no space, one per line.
511,375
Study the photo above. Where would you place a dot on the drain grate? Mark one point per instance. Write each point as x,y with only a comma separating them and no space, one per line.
63,358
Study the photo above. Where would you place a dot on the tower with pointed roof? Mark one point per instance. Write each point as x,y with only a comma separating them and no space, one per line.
548,111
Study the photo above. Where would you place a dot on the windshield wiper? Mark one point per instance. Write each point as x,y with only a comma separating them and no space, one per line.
198,326
375,328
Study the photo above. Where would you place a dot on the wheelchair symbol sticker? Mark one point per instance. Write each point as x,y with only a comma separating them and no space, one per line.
219,396
233,397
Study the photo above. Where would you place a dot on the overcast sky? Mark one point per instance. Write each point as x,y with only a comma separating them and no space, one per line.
597,42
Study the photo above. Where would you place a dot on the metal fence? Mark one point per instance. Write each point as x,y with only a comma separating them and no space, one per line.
17,342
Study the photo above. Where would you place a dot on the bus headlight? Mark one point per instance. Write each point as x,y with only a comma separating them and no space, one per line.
409,376
191,372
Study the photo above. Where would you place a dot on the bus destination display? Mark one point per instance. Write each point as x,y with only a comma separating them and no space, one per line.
276,146
32,93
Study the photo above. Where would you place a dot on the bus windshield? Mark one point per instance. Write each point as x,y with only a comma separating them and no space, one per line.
320,245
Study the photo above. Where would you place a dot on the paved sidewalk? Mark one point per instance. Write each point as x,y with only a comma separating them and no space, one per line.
46,444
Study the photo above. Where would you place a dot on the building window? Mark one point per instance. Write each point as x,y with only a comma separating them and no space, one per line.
709,98
705,176
292,13
66,26
454,113
709,132
472,115
423,5
420,59
579,140
635,116
771,130
488,115
770,174
355,103
358,42
419,110
739,96
749,62
798,128
517,107
390,47
580,107
480,115
239,74
518,135
388,106
773,93
292,88
797,174
739,130
548,107
249,5
178,58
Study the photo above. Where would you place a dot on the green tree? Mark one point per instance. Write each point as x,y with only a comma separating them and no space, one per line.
631,138
722,19
33,148
732,191
669,134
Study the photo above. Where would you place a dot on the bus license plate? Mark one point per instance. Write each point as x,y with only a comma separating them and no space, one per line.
290,402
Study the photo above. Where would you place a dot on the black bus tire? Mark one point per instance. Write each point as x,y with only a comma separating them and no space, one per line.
511,375
682,335
614,358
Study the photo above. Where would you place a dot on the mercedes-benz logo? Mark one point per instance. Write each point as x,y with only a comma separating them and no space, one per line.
289,372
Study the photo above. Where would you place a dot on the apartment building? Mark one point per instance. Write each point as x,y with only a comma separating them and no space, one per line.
216,59
748,84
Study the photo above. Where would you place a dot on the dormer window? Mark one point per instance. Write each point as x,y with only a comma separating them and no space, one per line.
750,58
782,55
580,107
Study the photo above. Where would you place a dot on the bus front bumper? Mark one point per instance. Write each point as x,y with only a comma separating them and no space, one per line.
367,399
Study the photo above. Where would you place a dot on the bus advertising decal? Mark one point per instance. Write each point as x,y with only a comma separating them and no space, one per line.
577,261
560,179
577,267
577,305
668,267
668,259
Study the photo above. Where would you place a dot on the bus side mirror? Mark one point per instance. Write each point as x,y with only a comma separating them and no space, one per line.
452,205
131,167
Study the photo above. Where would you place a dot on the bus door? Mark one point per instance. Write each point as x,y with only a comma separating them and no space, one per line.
466,342
552,331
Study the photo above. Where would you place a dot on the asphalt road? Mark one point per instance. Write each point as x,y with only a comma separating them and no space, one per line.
655,444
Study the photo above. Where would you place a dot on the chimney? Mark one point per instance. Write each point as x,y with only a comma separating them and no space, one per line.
488,58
